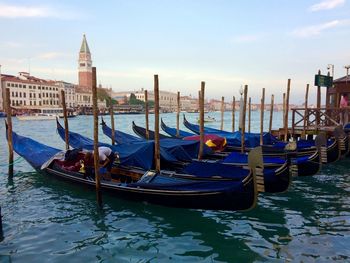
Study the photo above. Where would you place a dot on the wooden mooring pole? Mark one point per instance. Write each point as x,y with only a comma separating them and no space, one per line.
249,113
233,113
306,112
222,113
156,124
96,155
262,108
178,115
1,230
146,115
243,118
9,131
271,112
201,121
318,118
66,128
111,113
286,114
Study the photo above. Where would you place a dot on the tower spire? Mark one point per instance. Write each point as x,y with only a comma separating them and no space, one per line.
85,65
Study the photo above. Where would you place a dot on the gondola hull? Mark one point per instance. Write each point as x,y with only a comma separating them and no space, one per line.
225,196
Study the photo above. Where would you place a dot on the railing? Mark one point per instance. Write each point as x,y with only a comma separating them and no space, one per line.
316,118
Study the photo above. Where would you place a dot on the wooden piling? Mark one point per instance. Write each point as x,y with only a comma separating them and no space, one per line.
111,113
222,112
287,111
1,230
318,118
65,116
271,112
9,131
284,112
233,113
178,115
156,124
249,113
243,118
306,112
96,155
201,120
262,108
146,114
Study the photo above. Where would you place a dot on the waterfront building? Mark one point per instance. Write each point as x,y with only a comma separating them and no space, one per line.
189,104
83,97
167,99
31,93
69,92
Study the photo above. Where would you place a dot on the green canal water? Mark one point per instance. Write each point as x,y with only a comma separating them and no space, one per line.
48,220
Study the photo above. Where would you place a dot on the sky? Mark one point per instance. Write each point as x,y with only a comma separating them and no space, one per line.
227,44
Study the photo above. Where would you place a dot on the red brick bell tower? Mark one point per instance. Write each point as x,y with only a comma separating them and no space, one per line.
85,66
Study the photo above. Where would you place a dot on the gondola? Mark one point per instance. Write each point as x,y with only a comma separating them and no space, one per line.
306,163
273,179
152,187
272,146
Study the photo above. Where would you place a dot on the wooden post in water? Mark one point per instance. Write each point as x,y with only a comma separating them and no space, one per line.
146,115
233,113
222,112
96,155
306,111
262,108
156,124
1,231
243,121
271,112
66,129
249,113
111,113
287,111
284,112
201,121
178,115
318,103
9,131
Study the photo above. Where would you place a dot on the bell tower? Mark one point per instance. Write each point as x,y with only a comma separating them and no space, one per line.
85,66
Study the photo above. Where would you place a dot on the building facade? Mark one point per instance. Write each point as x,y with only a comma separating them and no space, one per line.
31,93
167,99
83,98
69,93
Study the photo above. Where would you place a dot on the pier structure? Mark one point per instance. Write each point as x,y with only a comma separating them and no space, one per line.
307,121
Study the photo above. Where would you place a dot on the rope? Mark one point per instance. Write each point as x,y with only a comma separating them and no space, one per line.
15,161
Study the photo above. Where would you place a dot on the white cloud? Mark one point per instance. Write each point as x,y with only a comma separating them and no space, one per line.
245,39
326,5
53,55
19,11
316,30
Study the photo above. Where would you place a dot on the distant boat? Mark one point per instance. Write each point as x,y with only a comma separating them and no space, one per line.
36,117
2,114
207,119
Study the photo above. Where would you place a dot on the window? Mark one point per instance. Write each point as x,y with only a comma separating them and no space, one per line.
34,103
30,103
20,94
30,86
13,93
24,95
25,103
8,84
39,103
16,94
30,95
39,95
24,86
82,64
20,85
12,85
34,95
16,85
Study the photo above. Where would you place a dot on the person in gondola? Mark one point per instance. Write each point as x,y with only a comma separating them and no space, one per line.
106,160
344,103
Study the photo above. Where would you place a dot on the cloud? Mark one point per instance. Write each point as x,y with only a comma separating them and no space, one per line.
245,39
316,30
19,11
326,5
53,55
